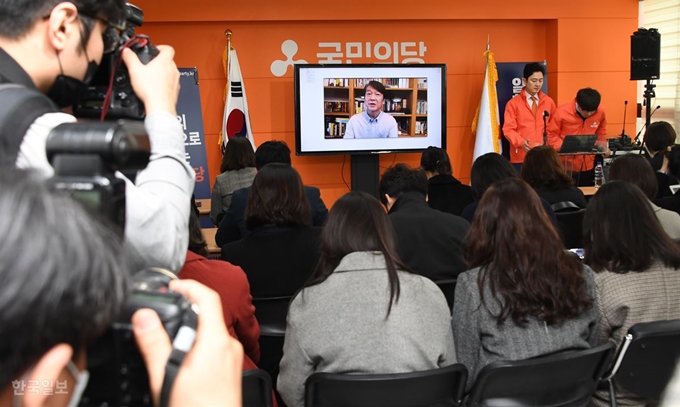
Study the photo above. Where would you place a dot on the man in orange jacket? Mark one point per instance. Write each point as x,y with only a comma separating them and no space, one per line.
523,125
583,115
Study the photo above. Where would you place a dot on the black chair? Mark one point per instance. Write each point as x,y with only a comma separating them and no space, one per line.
448,287
430,388
646,360
271,314
562,379
257,388
570,221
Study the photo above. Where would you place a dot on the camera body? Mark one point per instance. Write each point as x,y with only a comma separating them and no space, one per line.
110,91
86,156
118,376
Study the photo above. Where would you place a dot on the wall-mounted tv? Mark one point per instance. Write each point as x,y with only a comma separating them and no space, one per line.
369,109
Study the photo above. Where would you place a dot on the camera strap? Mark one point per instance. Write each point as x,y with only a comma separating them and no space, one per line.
19,108
183,342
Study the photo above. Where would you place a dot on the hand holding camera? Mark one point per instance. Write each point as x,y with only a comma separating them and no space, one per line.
156,84
211,371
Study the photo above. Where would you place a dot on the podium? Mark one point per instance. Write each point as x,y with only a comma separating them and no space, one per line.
570,167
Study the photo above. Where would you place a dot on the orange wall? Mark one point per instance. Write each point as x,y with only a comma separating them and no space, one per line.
586,43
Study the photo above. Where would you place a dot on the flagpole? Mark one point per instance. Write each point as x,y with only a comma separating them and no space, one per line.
228,34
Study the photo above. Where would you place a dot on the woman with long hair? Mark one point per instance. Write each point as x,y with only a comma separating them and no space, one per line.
635,263
362,312
543,170
444,192
237,171
524,295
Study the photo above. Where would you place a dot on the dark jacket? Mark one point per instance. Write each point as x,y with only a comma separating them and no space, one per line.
445,193
276,260
555,195
430,242
233,225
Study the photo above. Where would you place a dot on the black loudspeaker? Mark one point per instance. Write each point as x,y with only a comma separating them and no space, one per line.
645,54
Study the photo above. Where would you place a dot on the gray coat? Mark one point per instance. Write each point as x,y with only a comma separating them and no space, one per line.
339,326
225,184
480,340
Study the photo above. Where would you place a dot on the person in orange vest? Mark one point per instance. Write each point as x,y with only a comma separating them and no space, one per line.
523,124
584,115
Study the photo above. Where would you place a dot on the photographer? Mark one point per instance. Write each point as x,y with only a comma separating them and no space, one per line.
55,47
61,288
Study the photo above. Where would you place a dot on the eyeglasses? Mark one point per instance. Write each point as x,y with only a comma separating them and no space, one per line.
111,35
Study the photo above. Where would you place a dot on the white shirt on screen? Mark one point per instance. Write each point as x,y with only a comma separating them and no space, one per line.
363,126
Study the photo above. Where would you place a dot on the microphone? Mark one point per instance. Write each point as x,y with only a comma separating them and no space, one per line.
625,140
637,137
545,127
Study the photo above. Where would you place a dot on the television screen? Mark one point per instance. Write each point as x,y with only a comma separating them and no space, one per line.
365,109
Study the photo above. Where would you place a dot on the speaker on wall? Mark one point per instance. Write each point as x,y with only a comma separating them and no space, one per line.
645,54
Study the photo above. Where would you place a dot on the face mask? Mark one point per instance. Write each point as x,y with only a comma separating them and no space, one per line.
68,91
81,383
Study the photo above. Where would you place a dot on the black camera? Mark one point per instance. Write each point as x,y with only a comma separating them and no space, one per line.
118,376
110,94
85,157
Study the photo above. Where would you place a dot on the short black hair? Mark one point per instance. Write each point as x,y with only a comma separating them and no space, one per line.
377,86
17,17
588,99
531,68
435,159
487,169
659,136
62,285
401,179
273,151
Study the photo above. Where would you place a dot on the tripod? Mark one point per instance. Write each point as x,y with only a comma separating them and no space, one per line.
648,95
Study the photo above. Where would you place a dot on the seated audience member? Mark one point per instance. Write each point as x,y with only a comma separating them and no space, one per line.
658,138
525,296
636,267
362,312
237,171
670,169
486,170
430,242
62,287
279,255
543,170
444,191
233,227
231,283
637,170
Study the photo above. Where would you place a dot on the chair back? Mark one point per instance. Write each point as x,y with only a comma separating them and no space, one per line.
571,227
646,364
448,287
271,315
564,206
257,388
439,387
563,379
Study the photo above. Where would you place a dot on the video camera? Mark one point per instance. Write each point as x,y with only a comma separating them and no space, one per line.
85,157
118,376
110,94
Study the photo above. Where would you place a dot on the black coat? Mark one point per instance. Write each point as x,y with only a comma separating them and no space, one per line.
447,194
277,261
430,242
556,195
233,225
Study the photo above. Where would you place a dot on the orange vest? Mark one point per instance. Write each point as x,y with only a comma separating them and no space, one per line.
568,122
520,124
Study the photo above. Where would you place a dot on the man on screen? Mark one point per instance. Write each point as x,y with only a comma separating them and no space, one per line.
583,115
372,122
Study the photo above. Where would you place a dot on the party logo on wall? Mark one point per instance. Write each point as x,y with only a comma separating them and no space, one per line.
395,52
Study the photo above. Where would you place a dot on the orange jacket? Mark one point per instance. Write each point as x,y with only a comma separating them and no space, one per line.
520,124
568,122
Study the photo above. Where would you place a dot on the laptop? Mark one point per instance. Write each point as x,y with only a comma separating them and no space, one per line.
581,143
